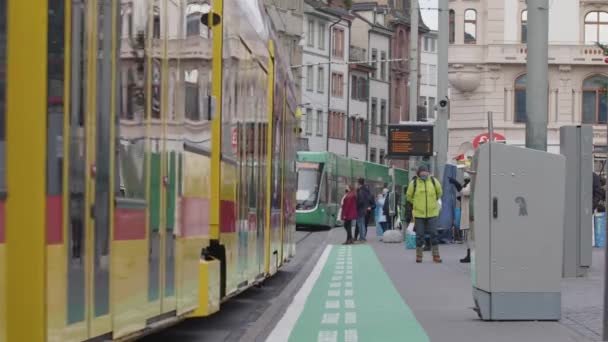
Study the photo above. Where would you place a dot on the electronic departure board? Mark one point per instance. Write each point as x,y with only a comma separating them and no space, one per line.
410,140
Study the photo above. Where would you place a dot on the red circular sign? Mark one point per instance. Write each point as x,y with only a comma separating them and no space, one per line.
485,137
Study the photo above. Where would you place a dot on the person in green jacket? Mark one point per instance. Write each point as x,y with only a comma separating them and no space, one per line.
423,193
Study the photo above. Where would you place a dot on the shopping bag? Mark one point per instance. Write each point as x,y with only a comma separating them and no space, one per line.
410,228
410,241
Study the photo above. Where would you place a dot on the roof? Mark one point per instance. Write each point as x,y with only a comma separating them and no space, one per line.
335,11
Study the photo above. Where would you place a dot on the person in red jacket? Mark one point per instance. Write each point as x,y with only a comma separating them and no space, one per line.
349,213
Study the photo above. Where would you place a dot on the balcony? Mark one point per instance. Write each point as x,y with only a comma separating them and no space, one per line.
517,54
357,54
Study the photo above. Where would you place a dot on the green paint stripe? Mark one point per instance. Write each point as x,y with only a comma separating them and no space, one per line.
380,312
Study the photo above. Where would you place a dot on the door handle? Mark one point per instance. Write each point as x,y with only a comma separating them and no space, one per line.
495,207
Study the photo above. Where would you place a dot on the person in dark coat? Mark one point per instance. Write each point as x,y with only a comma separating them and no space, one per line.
599,194
365,204
349,213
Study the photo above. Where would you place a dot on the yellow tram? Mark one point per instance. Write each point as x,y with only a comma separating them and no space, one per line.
147,163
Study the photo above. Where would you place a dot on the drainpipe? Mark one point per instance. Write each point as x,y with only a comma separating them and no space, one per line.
369,88
331,40
348,85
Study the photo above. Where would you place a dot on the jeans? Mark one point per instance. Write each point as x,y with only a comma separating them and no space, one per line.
361,224
348,227
384,226
424,226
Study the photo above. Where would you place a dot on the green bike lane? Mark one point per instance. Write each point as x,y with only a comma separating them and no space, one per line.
348,297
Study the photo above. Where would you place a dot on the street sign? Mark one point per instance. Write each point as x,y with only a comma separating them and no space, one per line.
485,137
409,140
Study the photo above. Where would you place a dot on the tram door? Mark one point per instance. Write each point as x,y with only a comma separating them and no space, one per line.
89,177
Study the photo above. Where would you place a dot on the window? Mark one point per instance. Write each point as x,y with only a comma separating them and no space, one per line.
193,21
320,79
311,33
596,27
321,36
337,84
363,93
361,131
431,108
383,65
372,155
354,88
595,105
520,99
336,125
383,117
433,44
432,75
374,115
156,28
353,131
308,126
319,122
309,78
426,43
470,26
193,110
358,90
452,26
424,74
338,43
375,63
381,159
524,26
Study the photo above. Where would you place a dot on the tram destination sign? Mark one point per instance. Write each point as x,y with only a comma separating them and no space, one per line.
407,140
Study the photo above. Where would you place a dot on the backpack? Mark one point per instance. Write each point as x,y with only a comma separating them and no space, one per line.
434,185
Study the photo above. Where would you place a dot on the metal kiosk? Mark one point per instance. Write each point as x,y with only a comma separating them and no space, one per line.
518,201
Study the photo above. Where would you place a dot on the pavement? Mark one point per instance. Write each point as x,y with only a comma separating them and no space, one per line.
376,292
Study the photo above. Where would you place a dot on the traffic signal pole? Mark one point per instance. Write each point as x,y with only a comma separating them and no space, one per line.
441,135
538,73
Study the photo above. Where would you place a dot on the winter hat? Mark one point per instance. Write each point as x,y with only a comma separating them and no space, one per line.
422,167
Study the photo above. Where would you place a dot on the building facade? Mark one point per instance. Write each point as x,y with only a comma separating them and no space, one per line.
373,40
324,73
287,17
428,74
487,70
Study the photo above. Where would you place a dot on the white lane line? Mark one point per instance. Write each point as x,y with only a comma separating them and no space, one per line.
348,284
350,318
327,336
349,292
350,335
333,293
336,278
335,285
349,304
331,318
283,329
349,277
332,304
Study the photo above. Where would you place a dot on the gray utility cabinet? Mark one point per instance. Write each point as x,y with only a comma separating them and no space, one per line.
576,144
518,200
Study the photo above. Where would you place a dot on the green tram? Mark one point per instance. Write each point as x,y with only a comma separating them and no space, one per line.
322,178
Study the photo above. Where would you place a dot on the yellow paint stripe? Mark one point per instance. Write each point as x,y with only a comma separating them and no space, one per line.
216,128
112,155
282,158
163,160
26,177
269,134
67,102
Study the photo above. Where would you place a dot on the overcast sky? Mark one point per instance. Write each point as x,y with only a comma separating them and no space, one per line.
429,15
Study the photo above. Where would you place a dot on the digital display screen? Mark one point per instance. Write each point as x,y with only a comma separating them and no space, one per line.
410,140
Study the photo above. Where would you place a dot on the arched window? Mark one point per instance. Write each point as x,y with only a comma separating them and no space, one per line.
452,26
520,99
524,26
594,100
470,26
193,21
596,27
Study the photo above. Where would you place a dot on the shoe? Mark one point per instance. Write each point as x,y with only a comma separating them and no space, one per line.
436,257
466,259
418,254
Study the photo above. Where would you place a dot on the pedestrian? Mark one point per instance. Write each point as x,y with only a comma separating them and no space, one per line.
349,213
387,206
465,220
382,219
423,192
599,194
365,205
